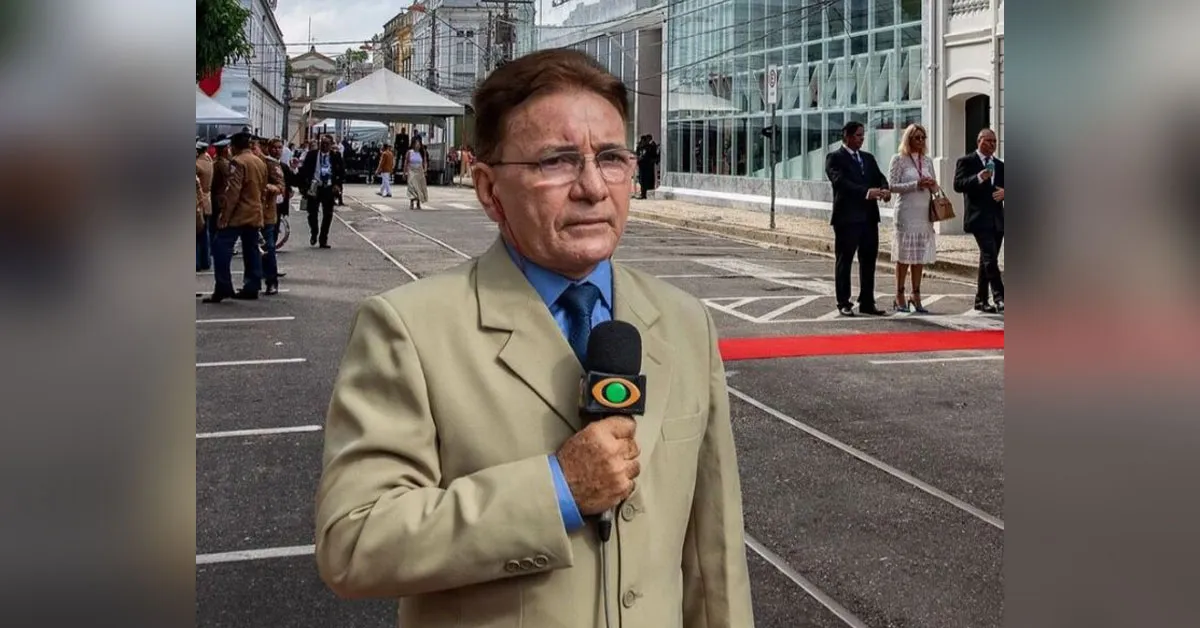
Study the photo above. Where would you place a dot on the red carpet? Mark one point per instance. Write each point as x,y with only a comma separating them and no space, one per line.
851,344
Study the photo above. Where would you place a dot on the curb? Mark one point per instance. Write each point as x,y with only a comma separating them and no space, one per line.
795,242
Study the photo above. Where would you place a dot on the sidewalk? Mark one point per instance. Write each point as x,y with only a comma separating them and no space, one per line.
957,254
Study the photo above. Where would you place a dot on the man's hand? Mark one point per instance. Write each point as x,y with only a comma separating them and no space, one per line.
985,175
875,194
600,464
998,195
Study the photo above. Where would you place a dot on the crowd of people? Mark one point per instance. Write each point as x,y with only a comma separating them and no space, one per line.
244,185
858,187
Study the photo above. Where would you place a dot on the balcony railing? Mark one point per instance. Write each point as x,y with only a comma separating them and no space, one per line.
960,7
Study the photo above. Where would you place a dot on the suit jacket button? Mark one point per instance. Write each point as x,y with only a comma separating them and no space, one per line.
629,599
526,564
512,566
540,561
628,512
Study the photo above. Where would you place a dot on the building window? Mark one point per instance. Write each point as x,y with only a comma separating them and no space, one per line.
850,60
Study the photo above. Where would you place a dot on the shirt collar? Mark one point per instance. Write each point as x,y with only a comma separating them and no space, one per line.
550,285
983,157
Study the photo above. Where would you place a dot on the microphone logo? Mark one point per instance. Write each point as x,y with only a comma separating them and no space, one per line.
616,393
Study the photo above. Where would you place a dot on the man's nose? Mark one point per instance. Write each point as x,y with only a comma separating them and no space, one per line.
590,185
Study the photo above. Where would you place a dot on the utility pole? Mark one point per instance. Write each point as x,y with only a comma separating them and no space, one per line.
508,34
432,86
487,49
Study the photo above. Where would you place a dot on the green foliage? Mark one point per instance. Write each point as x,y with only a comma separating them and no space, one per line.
220,35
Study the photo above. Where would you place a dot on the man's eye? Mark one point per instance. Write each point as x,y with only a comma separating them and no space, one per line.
558,161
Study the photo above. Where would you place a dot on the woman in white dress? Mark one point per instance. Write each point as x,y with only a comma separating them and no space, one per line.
914,243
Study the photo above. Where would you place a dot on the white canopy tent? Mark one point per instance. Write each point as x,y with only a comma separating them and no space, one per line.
209,111
384,96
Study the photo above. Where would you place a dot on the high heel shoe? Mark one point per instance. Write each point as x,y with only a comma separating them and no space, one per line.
915,304
896,307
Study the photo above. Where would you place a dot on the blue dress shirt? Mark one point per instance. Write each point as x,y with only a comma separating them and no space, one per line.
550,285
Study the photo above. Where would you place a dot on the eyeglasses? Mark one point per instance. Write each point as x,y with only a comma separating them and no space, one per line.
615,165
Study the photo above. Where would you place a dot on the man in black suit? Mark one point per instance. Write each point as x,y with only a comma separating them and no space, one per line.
323,171
979,176
858,186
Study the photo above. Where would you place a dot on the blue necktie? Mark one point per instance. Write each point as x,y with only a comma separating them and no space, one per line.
578,301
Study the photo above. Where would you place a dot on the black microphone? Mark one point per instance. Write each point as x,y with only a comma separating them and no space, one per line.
613,384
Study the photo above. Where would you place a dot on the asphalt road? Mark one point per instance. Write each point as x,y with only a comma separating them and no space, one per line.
873,483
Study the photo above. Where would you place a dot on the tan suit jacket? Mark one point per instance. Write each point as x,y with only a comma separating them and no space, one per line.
242,203
436,485
204,170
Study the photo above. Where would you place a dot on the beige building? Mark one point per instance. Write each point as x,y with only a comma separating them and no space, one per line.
313,76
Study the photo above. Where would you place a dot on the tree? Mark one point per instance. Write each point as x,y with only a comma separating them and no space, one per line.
220,35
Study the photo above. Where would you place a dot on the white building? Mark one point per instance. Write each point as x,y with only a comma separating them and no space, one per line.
256,86
626,37
966,79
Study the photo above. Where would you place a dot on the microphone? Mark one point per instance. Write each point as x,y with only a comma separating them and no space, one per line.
613,383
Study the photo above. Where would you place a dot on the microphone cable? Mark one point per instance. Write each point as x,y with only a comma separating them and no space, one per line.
604,583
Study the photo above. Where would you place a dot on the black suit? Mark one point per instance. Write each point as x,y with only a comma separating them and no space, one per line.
984,219
325,193
855,222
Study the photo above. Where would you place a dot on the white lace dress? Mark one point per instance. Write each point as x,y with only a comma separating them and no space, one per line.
915,241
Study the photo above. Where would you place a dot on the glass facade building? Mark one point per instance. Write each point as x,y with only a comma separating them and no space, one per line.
841,60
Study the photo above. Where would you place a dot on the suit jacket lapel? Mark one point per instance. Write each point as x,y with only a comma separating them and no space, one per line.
540,356
634,306
535,349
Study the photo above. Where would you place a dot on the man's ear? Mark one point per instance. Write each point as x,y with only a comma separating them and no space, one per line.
484,180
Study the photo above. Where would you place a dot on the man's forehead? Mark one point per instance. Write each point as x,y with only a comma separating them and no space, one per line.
559,121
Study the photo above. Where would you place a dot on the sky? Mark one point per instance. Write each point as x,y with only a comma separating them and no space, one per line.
333,20
345,20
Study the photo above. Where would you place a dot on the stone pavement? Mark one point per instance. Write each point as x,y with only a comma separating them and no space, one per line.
957,254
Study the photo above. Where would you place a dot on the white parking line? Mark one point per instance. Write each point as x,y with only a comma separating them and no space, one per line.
461,206
778,563
206,293
259,319
251,362
383,208
386,255
260,432
258,554
875,462
936,360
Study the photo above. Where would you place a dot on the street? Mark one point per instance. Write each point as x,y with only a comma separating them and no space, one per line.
873,483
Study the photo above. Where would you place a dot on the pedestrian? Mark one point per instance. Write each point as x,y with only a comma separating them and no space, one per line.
241,219
415,163
858,186
979,176
322,172
647,163
387,164
458,475
220,182
204,176
273,199
914,243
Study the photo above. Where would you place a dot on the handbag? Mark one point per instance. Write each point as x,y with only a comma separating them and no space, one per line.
940,207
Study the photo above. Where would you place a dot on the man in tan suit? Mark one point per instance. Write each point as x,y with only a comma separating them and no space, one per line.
204,173
458,474
241,218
